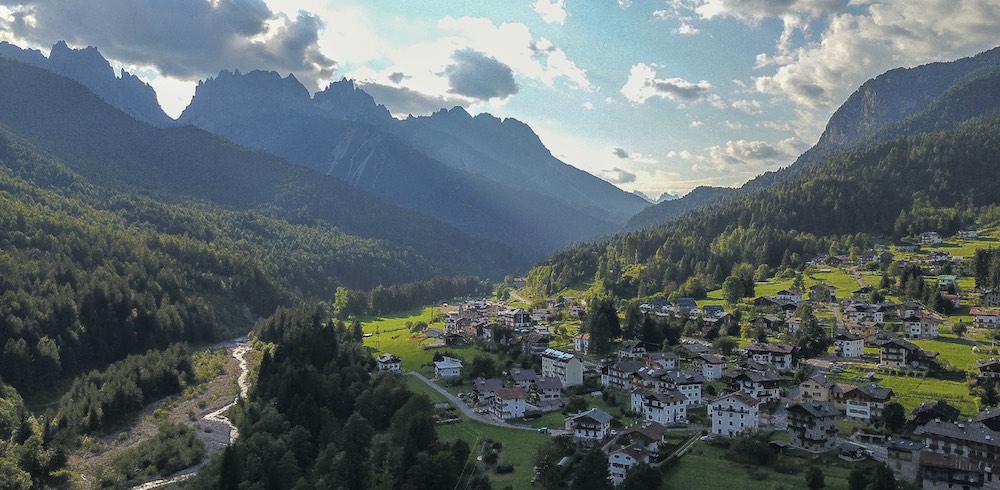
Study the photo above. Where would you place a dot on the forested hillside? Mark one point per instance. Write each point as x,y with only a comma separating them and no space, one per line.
927,182
318,418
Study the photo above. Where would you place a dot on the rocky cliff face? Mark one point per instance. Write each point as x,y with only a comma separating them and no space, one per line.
897,94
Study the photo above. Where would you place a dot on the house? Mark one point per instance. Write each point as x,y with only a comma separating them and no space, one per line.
689,383
990,417
764,386
865,402
848,345
818,388
930,238
567,367
535,343
822,293
589,428
865,329
926,412
778,356
947,281
789,295
449,367
389,362
898,353
974,447
619,375
582,343
813,425
622,458
650,435
990,298
903,457
794,323
523,378
710,365
734,413
767,323
921,327
988,368
713,311
485,389
985,317
663,408
686,306
952,300
968,234
631,349
508,403
546,391
955,471
664,360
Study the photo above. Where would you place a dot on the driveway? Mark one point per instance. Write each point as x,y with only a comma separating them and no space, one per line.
466,410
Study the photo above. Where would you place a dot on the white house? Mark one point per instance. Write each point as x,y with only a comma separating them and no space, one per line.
563,365
712,365
920,327
447,368
389,362
846,344
589,428
789,295
778,356
734,413
662,408
930,238
866,402
508,403
622,458
689,383
665,360
631,349
985,317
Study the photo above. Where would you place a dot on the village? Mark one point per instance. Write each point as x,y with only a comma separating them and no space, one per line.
894,382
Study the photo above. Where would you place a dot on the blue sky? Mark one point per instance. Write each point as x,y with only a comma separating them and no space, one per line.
656,96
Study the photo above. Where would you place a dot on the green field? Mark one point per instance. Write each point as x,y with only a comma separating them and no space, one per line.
705,467
519,446
953,350
911,391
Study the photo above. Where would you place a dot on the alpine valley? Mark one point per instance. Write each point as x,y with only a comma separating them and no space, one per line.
285,289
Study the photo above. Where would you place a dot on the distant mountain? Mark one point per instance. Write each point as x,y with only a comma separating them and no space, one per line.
509,152
898,103
110,148
126,92
342,132
665,211
667,196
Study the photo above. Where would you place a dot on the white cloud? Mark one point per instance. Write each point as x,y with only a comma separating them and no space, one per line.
624,4
696,124
748,106
552,12
617,176
643,84
687,29
588,105
881,35
632,156
747,153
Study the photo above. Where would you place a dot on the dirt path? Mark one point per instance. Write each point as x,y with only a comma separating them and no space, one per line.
220,424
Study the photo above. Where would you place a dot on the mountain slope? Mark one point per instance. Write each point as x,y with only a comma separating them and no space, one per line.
668,210
889,106
264,111
127,92
65,120
509,152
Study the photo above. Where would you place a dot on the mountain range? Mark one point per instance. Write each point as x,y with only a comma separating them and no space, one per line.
490,178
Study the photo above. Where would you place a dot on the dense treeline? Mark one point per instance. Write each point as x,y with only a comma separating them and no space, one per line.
920,183
318,418
100,399
986,269
88,276
28,453
400,297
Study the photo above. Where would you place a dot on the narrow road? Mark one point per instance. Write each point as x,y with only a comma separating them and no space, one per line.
217,417
466,410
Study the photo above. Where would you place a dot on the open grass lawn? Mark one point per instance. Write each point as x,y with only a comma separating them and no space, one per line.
960,247
953,350
911,391
520,447
705,467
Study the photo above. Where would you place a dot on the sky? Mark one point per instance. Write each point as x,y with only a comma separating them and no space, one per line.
658,96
